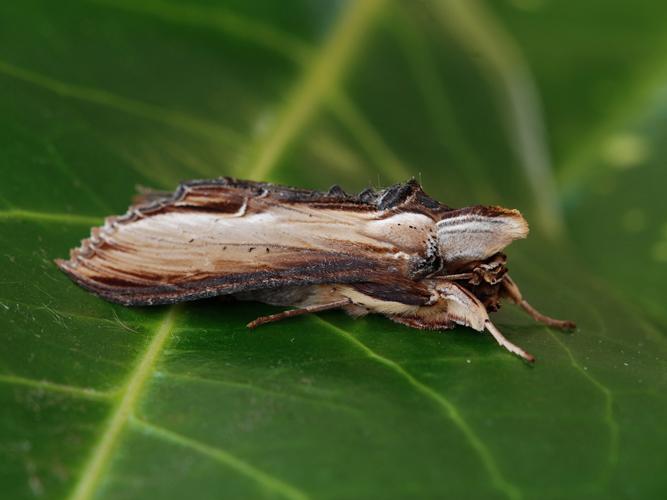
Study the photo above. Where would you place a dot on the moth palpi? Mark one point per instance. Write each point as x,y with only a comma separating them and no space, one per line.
395,252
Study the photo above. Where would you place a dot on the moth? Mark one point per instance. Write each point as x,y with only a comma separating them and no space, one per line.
396,252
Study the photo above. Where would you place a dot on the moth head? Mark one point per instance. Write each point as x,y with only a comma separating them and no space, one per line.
476,233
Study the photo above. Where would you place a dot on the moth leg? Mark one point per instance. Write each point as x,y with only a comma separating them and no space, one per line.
500,338
297,312
515,294
455,277
464,308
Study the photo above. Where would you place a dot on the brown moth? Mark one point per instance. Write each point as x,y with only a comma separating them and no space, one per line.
395,252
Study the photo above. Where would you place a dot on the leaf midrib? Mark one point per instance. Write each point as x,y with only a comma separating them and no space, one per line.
102,453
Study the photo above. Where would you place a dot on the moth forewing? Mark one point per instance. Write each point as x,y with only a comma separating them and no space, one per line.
226,238
395,252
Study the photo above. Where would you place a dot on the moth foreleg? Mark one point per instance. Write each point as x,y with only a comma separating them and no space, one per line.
514,293
297,312
500,338
457,305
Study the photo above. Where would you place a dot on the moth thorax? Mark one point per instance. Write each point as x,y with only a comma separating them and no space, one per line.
477,233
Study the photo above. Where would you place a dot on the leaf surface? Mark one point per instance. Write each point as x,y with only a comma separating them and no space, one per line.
102,401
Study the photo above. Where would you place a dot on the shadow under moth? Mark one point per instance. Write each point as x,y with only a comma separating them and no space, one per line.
395,252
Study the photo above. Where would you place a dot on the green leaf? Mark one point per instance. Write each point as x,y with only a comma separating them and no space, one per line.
111,402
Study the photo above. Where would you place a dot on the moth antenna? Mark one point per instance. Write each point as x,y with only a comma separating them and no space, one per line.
547,320
500,338
515,294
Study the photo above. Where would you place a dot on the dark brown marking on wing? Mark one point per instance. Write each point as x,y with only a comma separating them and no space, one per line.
319,269
395,289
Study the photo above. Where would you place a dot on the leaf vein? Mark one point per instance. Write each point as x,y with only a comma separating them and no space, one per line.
71,390
260,390
74,219
440,111
102,453
291,47
367,136
318,80
224,457
449,408
477,30
612,424
134,107
222,20
58,313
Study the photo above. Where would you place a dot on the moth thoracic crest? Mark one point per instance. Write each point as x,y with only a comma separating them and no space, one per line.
478,233
396,252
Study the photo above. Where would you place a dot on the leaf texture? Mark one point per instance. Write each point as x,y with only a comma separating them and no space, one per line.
103,401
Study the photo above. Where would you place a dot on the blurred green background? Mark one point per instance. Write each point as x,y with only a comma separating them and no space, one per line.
558,108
